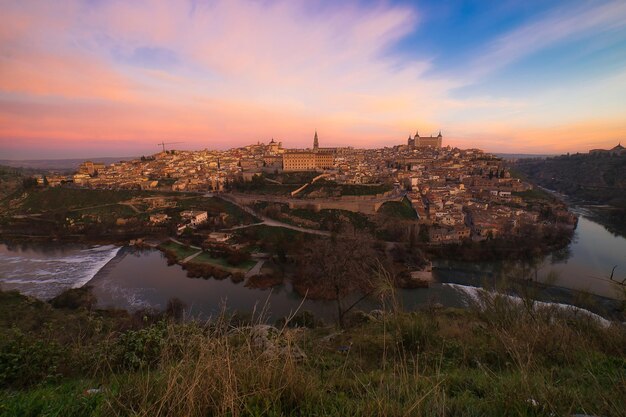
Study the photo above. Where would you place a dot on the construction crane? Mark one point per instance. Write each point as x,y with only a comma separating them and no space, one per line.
166,143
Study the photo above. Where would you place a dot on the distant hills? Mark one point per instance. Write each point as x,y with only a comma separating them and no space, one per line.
59,164
515,156
596,179
593,179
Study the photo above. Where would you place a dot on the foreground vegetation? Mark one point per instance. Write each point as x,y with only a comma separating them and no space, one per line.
64,358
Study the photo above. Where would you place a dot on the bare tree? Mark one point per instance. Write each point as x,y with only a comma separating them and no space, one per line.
616,280
340,268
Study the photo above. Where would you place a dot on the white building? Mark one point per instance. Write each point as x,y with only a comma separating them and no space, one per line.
195,217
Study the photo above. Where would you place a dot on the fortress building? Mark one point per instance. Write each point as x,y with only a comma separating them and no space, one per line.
425,141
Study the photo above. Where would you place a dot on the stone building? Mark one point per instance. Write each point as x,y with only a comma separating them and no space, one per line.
90,168
309,159
425,141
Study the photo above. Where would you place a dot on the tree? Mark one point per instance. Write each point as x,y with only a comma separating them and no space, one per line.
424,235
342,269
29,182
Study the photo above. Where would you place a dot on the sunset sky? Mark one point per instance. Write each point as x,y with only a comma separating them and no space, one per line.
88,78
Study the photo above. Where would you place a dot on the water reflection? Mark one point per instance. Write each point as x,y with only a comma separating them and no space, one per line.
141,279
561,255
585,265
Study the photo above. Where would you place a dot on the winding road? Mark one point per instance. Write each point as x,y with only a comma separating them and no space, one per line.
269,222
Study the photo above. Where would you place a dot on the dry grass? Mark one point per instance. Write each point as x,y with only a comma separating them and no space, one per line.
502,359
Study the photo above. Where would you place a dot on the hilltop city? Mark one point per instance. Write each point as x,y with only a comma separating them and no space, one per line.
455,194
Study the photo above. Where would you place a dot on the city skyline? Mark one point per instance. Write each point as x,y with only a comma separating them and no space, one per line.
110,78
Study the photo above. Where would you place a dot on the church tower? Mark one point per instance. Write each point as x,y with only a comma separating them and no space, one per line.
316,142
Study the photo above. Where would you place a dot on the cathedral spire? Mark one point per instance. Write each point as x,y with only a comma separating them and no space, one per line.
316,142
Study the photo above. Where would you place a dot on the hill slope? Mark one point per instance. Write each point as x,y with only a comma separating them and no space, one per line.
587,179
590,178
63,358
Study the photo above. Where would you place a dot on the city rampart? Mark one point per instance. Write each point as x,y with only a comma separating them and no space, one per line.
367,204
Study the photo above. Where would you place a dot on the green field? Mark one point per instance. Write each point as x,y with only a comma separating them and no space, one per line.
331,188
105,212
205,258
180,251
62,198
297,178
325,218
70,198
328,217
399,209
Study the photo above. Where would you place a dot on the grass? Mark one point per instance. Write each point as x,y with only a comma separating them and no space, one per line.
104,203
109,212
332,188
358,220
67,399
268,188
325,218
297,178
355,189
180,251
205,258
398,209
503,359
63,198
534,195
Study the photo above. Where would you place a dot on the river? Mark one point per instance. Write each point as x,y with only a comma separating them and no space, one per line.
134,279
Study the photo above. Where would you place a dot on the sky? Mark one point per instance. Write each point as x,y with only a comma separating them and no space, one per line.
116,77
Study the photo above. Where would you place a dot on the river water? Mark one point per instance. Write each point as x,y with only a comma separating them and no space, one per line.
134,279
585,265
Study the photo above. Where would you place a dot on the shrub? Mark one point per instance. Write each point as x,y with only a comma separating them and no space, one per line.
415,331
27,360
75,298
137,349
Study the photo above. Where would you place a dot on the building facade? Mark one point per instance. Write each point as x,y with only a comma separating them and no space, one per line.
90,168
425,141
309,159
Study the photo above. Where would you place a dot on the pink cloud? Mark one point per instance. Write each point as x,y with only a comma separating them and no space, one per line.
242,71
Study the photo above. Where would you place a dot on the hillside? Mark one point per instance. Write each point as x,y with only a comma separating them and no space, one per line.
10,181
65,165
62,358
586,179
595,179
